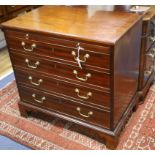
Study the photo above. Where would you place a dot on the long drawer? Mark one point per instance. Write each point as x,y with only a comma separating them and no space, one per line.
91,55
72,108
67,89
84,76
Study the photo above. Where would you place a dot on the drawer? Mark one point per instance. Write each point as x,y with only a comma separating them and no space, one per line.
91,55
11,8
67,107
66,71
67,89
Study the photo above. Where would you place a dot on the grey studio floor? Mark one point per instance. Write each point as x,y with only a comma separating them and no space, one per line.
8,144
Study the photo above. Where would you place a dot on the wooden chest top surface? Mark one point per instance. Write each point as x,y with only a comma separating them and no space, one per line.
85,23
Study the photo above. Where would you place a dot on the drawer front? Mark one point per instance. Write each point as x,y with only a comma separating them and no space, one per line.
64,106
67,89
149,64
84,76
31,63
91,55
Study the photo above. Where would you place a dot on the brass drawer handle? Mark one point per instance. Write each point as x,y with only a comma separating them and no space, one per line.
153,50
89,94
152,38
39,101
83,115
36,84
76,55
88,75
152,53
86,56
26,49
149,72
32,66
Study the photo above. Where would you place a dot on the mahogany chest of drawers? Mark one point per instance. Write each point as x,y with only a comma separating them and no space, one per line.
147,52
77,64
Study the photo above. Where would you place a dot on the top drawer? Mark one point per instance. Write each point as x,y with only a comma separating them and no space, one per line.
66,50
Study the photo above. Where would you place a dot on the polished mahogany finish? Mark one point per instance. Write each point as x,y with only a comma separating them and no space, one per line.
99,97
66,50
79,64
65,70
78,23
64,106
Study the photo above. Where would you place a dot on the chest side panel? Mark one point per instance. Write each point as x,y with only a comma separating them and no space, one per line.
126,70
